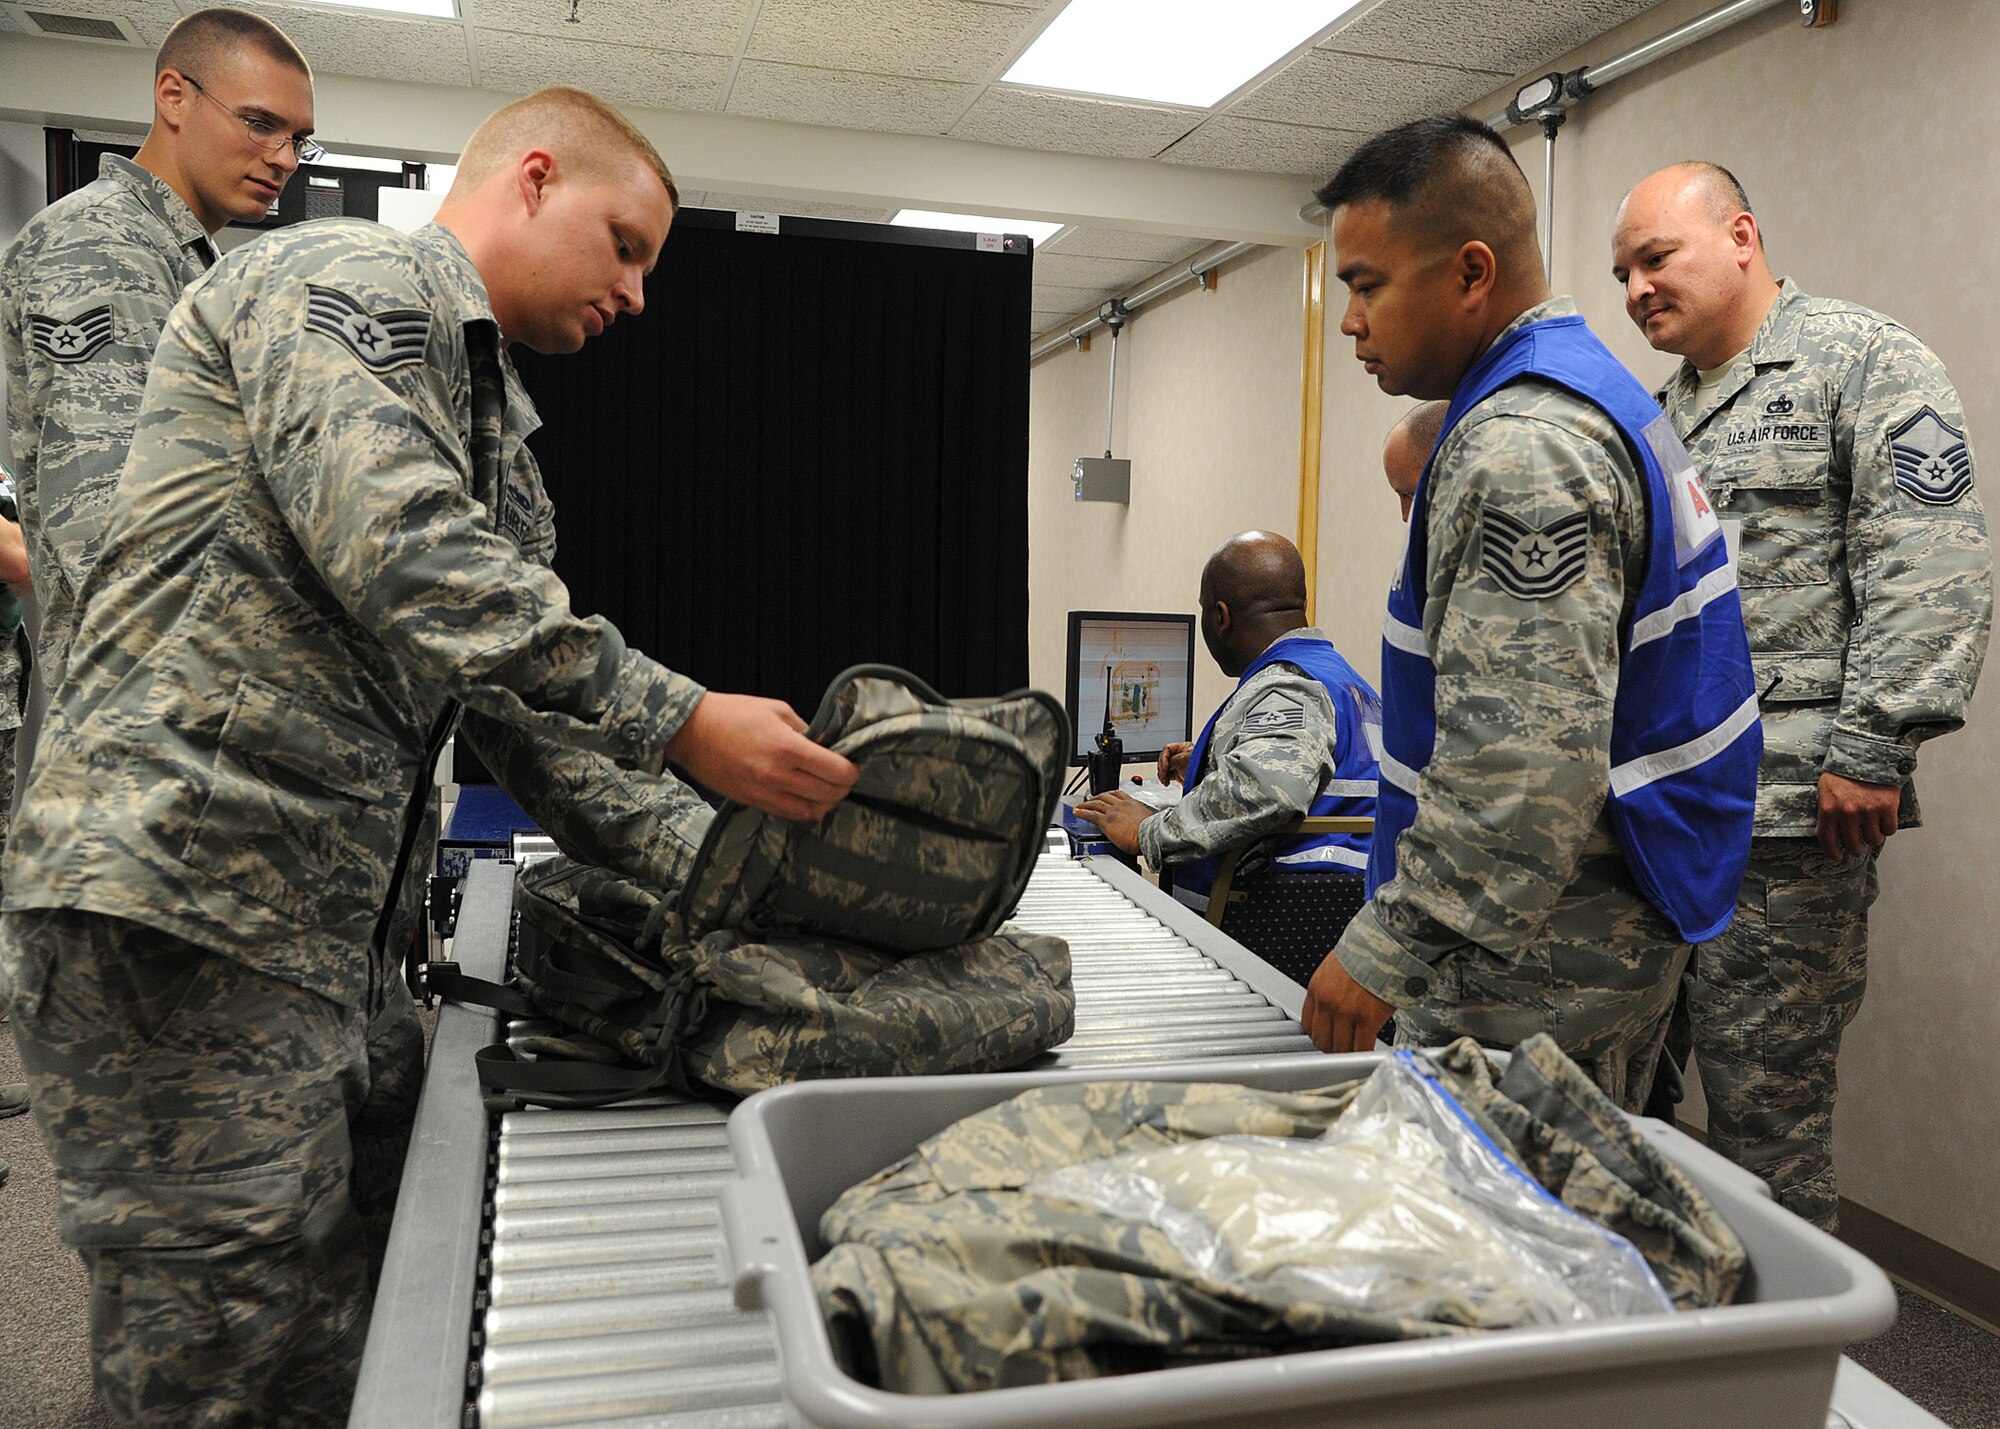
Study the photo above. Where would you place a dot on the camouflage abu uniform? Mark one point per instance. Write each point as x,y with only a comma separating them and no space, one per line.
1836,439
946,1273
319,543
84,290
1513,911
1258,780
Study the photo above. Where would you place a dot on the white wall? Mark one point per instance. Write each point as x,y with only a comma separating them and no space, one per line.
1208,412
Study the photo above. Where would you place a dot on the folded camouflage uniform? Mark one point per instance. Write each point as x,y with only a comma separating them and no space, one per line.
945,1275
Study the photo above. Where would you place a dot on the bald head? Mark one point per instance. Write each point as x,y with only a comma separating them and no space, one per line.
1253,590
1408,447
1690,255
1448,181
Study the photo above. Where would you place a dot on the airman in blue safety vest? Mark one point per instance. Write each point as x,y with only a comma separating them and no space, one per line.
1570,732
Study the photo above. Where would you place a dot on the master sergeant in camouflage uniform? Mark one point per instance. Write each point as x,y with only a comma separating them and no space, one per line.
1836,441
321,543
87,284
1272,750
1513,909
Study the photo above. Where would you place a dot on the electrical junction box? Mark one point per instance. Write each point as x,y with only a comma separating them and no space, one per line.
1103,478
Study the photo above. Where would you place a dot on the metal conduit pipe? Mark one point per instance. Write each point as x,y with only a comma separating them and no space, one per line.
1192,271
1562,91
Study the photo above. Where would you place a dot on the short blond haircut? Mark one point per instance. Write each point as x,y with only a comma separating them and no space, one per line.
583,133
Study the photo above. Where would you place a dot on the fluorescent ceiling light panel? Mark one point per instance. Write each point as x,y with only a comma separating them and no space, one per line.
1036,229
428,9
1190,52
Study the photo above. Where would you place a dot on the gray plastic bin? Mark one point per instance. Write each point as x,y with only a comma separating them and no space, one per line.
1767,1362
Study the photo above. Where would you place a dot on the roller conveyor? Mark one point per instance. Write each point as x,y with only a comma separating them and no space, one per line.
560,1267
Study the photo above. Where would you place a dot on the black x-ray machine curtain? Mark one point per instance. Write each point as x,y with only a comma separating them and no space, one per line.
810,450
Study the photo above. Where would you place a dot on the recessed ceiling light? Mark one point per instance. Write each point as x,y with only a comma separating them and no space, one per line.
428,9
1191,52
1036,229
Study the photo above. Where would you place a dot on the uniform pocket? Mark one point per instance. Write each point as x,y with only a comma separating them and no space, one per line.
186,1214
1780,496
299,812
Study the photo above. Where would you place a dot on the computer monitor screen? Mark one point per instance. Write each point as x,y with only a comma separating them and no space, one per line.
1145,664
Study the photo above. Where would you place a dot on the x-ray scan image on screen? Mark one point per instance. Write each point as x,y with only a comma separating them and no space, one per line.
1143,664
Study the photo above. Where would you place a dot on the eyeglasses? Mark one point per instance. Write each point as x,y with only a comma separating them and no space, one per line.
263,134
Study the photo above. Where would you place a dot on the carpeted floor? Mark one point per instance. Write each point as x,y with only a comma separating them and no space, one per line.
1948,1365
44,1323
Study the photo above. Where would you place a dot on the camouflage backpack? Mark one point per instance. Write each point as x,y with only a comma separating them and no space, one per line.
868,943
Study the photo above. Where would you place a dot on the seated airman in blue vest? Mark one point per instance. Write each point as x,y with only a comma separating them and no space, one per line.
1293,739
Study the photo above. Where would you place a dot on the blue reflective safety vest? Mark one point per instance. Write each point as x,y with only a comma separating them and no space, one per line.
1685,737
1349,791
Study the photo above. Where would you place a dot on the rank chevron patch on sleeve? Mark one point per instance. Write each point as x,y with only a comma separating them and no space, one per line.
1932,462
71,340
1534,562
380,340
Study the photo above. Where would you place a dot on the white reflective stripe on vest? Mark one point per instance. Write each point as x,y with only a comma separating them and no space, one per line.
1406,638
1650,768
1328,853
1398,774
1689,604
1350,788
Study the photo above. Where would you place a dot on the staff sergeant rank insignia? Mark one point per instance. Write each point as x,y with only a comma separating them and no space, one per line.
71,341
1533,562
380,340
1932,463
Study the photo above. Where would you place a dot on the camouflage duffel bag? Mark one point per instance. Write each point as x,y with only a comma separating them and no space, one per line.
870,942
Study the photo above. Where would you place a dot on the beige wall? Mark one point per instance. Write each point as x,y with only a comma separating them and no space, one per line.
1208,412
1866,149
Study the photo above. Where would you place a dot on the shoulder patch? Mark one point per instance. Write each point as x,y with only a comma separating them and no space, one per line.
1274,714
73,340
1533,562
1932,462
381,340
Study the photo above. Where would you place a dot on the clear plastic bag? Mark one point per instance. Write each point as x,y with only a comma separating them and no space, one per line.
1403,1207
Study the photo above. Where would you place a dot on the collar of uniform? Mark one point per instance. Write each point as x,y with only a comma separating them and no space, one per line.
1304,632
1560,306
1776,342
1777,339
462,283
467,291
159,198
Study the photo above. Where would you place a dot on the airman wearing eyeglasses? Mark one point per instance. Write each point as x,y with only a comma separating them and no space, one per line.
88,283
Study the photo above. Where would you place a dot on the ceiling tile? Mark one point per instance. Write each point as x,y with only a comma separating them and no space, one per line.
1054,297
929,39
1158,249
1035,119
1113,274
1511,37
793,207
378,46
883,102
1328,90
150,19
703,27
1258,145
660,79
